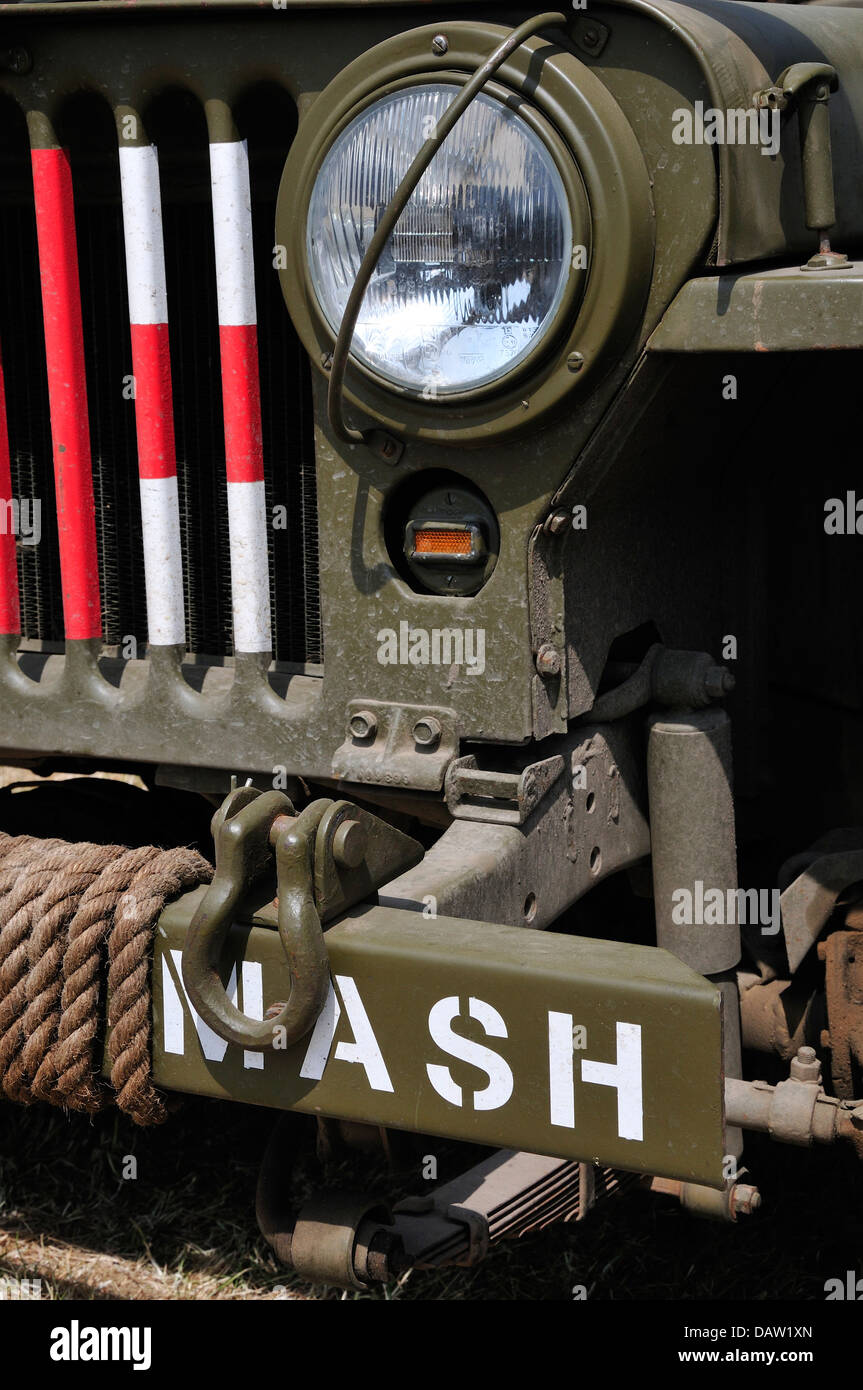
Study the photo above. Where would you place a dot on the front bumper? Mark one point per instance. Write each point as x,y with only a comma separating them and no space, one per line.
592,1050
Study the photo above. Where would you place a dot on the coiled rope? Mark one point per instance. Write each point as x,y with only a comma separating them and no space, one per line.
70,916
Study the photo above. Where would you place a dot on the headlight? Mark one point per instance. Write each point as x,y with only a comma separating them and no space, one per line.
473,276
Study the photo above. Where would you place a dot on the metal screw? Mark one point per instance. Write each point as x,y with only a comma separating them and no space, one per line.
805,1066
525,405
557,522
362,724
388,448
440,44
575,361
326,360
349,844
590,38
427,732
744,1199
718,682
548,660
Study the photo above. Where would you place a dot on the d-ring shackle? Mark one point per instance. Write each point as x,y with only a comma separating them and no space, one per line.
243,841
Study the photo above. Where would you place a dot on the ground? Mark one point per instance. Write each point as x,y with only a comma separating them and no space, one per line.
184,1228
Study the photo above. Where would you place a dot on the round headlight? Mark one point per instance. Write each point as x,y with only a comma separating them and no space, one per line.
474,273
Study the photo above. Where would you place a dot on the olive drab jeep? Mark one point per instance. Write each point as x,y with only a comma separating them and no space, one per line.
423,448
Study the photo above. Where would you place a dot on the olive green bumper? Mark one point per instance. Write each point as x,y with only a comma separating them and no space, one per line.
554,1044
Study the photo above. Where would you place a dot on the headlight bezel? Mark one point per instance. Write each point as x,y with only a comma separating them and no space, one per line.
599,160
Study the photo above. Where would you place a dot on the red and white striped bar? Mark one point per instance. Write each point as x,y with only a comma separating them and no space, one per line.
10,612
154,405
241,395
67,392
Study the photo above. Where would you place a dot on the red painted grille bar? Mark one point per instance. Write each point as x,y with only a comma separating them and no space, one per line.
67,392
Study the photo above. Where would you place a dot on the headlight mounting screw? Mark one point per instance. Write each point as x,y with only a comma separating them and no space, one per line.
575,361
557,523
440,44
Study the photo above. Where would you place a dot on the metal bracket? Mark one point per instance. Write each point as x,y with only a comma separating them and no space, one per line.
471,792
397,745
590,35
355,853
328,1242
808,902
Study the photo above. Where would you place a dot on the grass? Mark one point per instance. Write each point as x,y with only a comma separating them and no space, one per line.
185,1227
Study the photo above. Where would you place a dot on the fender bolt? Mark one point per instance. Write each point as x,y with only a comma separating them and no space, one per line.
427,732
548,660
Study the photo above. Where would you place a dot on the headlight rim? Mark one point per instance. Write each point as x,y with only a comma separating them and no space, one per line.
578,208
605,152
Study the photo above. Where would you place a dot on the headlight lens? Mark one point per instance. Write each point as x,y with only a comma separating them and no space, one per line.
475,270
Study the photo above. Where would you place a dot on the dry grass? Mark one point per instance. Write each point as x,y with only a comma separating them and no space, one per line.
185,1227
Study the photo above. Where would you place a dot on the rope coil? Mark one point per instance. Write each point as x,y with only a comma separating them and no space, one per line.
70,916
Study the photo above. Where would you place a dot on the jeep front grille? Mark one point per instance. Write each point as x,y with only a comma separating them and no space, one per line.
162,174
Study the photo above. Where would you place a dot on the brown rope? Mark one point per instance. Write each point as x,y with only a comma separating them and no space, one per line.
76,1084
59,905
128,977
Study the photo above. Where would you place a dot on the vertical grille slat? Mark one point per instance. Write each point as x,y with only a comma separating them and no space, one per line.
67,386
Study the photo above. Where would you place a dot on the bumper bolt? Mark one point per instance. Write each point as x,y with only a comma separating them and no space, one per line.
349,844
427,732
548,660
805,1066
744,1200
363,724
